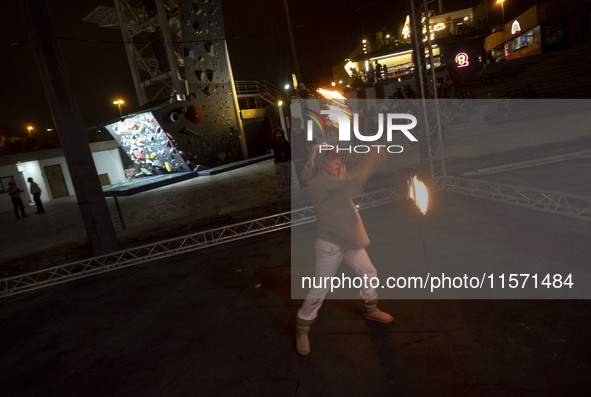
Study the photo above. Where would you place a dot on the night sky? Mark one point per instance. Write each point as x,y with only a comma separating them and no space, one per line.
325,32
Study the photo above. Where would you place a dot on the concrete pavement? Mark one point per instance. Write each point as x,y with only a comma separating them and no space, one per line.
58,236
220,321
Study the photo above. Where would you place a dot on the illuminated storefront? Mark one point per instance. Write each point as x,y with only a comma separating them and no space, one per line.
519,38
398,58
545,27
398,64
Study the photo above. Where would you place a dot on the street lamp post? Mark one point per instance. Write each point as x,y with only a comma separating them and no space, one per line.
282,118
502,9
119,102
29,129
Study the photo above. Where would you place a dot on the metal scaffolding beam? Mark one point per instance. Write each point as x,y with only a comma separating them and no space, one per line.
577,207
167,248
154,67
555,203
426,83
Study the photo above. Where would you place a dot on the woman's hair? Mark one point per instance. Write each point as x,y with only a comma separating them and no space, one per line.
315,161
275,131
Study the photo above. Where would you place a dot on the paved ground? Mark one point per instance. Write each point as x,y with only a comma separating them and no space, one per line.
58,236
220,321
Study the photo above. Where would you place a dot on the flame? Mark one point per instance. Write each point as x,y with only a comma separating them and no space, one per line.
406,28
417,192
330,94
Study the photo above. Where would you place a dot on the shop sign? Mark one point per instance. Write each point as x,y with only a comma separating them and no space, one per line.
515,28
462,60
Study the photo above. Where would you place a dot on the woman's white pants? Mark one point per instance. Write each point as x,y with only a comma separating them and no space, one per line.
328,258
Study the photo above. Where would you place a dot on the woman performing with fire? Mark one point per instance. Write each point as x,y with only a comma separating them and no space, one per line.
341,234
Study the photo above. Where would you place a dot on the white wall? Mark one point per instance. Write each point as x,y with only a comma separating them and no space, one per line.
31,169
109,162
65,171
106,162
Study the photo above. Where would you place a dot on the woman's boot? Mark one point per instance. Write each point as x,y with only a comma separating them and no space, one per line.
371,312
302,340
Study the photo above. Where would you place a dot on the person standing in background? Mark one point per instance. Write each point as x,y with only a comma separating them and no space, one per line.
299,148
15,195
36,192
282,157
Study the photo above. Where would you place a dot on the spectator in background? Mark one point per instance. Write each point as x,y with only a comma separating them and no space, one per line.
15,195
36,192
282,157
378,72
370,75
299,147
385,72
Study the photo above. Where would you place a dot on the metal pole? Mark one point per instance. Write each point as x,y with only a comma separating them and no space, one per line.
237,114
130,50
282,121
69,126
292,42
119,211
434,135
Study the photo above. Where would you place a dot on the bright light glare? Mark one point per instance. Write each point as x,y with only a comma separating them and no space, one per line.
417,192
348,67
330,94
406,28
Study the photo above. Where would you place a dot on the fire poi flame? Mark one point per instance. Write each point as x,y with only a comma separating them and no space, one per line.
330,94
417,192
336,101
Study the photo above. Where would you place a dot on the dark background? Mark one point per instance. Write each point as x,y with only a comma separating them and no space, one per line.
325,32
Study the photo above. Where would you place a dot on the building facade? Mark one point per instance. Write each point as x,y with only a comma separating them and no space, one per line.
547,26
49,170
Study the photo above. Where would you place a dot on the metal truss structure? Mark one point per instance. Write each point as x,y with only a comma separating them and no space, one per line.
535,199
154,54
427,87
571,206
555,203
167,248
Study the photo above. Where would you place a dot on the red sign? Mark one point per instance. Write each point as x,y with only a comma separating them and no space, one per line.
515,28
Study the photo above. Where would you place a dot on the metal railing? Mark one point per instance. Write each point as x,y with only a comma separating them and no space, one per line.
258,89
577,207
556,203
175,246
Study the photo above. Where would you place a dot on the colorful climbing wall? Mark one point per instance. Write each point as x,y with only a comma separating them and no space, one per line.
147,144
202,127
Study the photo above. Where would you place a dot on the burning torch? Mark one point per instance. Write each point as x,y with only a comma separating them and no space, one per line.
417,192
